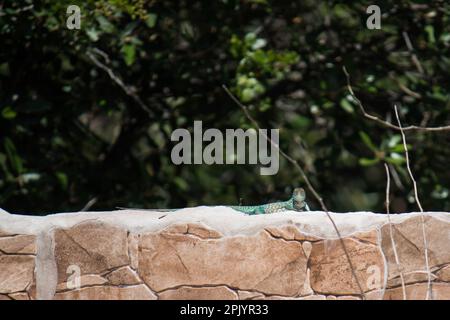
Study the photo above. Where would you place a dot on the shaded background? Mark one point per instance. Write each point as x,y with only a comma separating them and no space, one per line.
86,115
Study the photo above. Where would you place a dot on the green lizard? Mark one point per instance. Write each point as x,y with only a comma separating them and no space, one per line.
296,203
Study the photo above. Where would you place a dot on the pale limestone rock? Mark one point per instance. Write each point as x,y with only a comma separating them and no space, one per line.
123,276
138,292
307,290
194,293
258,262
133,250
307,247
16,272
331,272
93,247
23,244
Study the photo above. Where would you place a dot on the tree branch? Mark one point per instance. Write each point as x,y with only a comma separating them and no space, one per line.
391,232
416,195
130,91
383,122
414,58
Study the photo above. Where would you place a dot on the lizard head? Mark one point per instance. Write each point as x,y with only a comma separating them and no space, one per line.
298,198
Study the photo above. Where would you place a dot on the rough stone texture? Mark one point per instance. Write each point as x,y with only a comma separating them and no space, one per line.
17,264
331,272
244,262
93,247
20,244
123,276
16,273
410,245
218,253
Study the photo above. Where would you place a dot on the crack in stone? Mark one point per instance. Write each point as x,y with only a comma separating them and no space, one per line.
100,286
76,243
201,286
17,276
147,286
128,247
16,254
189,228
107,272
363,241
206,286
417,282
439,267
11,235
181,260
287,240
407,240
187,234
9,295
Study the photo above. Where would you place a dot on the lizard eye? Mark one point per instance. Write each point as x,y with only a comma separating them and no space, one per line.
299,193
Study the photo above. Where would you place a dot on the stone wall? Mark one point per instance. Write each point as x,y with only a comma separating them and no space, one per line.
218,253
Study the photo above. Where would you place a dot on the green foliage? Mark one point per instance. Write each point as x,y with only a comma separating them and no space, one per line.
69,132
254,62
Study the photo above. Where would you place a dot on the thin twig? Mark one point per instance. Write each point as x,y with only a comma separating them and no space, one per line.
391,232
416,195
89,204
397,180
18,10
383,122
130,91
414,58
308,183
405,89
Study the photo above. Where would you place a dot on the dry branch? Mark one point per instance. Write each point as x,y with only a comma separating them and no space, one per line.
383,122
130,91
391,231
414,58
416,195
